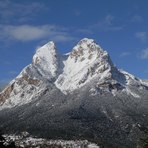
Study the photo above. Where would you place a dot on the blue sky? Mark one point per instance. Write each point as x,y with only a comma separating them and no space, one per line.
118,26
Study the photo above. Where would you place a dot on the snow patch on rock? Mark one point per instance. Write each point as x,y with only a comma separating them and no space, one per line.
86,61
46,60
88,64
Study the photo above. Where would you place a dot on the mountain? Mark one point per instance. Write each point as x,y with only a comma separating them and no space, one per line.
79,95
34,78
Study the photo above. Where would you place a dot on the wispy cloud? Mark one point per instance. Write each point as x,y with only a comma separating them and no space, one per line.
137,19
108,24
19,11
77,12
13,73
31,32
4,82
146,71
142,36
124,54
84,31
144,54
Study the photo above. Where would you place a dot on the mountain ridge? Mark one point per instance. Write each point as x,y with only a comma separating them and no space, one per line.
76,96
86,62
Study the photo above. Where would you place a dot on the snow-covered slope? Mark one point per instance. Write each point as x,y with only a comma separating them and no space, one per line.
79,95
46,60
86,64
87,61
34,78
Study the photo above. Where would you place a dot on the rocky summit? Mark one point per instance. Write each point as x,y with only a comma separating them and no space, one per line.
79,95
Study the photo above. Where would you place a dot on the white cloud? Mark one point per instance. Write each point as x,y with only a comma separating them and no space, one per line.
31,32
146,71
144,54
107,24
142,36
84,31
124,54
137,19
109,19
77,13
4,82
13,73
18,11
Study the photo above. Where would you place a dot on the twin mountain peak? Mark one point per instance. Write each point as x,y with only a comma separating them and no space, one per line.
87,65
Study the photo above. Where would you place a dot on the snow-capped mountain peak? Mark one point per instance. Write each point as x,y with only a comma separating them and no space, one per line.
78,90
34,78
86,48
46,60
86,65
86,62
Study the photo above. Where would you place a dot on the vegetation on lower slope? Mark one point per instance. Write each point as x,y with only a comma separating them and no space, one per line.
24,140
144,138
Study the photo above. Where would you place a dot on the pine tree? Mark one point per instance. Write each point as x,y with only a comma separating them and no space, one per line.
144,140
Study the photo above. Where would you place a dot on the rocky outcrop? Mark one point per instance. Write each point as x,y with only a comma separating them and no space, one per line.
6,93
86,64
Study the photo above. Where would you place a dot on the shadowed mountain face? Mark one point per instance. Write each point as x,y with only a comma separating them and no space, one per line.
80,95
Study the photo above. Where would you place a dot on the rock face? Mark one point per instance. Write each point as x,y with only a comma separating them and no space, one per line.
81,90
33,79
47,61
87,63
